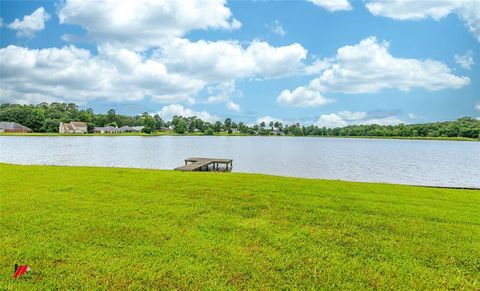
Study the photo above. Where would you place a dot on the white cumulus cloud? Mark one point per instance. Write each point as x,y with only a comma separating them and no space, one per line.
465,61
73,74
330,121
267,119
389,120
344,118
277,28
141,24
302,97
467,10
348,115
368,67
142,53
317,66
227,60
176,73
333,5
30,24
233,106
169,111
222,93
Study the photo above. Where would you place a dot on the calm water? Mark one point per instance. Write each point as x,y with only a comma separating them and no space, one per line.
394,161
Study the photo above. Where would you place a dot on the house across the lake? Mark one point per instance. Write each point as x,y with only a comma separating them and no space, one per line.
73,127
277,132
106,129
130,129
13,127
113,129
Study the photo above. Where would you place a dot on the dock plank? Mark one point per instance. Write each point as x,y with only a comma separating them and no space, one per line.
198,163
213,160
193,166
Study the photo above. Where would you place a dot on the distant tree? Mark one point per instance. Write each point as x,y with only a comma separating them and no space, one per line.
160,122
111,116
217,127
50,125
175,120
149,124
181,126
191,124
34,119
209,131
85,116
296,130
90,127
45,117
72,107
228,123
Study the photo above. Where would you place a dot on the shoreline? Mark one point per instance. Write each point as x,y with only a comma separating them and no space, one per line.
39,134
253,174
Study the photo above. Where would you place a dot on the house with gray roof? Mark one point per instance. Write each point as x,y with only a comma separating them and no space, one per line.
106,129
13,127
113,129
130,128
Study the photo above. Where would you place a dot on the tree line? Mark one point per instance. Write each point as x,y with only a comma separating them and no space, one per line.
46,117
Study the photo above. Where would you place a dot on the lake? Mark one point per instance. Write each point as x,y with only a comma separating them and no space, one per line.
418,162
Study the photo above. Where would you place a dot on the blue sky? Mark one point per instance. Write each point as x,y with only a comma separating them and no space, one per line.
353,63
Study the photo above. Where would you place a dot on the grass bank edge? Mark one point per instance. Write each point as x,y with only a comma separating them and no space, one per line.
245,174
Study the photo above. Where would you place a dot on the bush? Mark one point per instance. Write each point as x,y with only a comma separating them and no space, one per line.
90,127
209,131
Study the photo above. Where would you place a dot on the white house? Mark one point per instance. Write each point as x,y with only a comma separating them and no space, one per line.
73,127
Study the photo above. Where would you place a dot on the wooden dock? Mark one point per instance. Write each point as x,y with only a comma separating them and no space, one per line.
206,164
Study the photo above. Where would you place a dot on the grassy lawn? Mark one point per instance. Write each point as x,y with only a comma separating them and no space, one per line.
94,228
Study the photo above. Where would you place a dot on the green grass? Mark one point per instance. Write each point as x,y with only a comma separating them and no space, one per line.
172,133
111,228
